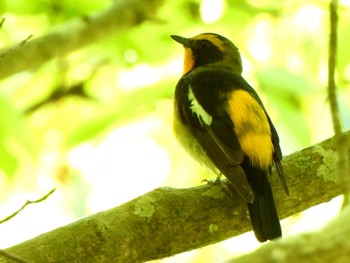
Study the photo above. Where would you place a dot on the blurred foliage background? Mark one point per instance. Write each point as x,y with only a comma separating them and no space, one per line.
96,124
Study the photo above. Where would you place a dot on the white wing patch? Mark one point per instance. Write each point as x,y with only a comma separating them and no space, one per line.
203,116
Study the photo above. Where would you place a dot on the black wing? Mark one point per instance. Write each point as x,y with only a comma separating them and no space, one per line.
217,138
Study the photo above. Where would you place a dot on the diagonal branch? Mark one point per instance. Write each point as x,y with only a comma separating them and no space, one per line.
77,33
12,257
8,51
168,221
331,244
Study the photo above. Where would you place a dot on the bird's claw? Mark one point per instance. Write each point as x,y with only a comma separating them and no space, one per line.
223,184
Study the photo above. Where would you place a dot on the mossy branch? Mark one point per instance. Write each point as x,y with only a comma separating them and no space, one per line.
169,221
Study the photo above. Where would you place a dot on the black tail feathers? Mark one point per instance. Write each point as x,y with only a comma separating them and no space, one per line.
262,211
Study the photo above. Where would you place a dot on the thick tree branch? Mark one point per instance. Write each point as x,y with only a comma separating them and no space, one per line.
168,221
13,258
76,34
331,244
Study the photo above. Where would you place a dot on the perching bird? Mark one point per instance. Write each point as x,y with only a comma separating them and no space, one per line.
221,121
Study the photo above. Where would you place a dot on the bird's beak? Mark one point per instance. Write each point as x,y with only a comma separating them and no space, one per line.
186,42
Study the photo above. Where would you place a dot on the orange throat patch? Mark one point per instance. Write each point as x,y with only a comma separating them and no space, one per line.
189,60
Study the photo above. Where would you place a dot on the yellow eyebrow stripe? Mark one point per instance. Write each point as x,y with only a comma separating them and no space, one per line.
251,127
212,38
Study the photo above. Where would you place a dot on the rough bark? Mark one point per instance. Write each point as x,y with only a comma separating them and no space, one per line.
169,221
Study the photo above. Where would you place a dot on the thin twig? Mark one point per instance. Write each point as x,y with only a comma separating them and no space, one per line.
18,46
24,41
2,22
13,257
28,202
341,143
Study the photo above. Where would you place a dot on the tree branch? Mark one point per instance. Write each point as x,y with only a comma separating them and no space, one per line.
28,202
343,166
76,34
8,51
331,244
12,257
168,221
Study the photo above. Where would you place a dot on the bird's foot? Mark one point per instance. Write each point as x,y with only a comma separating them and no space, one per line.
223,184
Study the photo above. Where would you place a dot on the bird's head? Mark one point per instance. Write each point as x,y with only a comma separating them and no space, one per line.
209,48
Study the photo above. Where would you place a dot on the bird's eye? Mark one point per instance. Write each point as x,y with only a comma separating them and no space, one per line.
205,44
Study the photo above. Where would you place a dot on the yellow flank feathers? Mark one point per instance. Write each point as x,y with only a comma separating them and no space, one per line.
252,128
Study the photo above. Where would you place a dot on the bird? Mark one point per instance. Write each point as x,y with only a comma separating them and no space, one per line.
222,123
